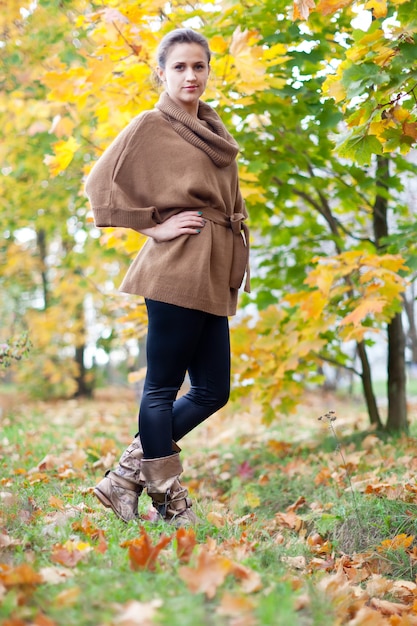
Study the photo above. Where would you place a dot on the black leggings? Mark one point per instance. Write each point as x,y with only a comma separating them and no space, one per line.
181,340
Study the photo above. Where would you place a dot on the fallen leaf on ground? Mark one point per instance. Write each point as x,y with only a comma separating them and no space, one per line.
234,604
186,541
142,553
55,575
289,520
297,562
251,580
67,597
6,541
70,553
210,572
19,576
388,608
136,613
399,542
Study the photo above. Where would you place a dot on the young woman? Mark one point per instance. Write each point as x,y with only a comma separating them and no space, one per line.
171,174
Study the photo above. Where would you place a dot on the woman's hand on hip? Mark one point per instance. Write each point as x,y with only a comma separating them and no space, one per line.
184,223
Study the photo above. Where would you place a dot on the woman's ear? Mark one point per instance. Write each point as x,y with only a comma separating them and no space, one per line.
161,74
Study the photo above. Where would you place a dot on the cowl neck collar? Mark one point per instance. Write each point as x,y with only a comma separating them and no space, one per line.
215,140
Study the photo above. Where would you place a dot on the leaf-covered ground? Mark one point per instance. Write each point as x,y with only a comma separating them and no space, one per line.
303,522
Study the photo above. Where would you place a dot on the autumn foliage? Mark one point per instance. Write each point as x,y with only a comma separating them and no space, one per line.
321,98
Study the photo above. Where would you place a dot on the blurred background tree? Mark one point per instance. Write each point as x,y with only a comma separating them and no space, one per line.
321,97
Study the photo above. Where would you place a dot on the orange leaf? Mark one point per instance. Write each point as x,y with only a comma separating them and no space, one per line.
378,7
94,533
297,504
234,606
251,580
43,620
71,553
289,520
142,553
327,7
302,8
68,597
410,129
19,576
399,542
210,573
388,608
56,503
185,544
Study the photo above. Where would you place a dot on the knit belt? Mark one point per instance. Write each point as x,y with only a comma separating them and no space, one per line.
240,262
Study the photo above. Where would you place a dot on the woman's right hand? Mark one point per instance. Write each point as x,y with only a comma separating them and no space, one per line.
184,223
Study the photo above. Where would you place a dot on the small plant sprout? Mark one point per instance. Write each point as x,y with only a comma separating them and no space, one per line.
330,417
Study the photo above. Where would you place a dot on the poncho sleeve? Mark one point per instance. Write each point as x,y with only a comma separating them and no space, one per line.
112,196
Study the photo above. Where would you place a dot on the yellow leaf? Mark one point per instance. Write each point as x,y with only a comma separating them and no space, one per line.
363,310
379,7
378,128
218,44
62,126
333,87
252,500
64,153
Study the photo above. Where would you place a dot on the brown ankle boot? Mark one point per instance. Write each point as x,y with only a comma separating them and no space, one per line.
163,485
120,489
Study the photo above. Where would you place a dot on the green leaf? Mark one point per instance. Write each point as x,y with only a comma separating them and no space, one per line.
360,148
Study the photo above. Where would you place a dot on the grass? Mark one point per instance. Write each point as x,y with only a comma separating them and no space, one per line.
275,502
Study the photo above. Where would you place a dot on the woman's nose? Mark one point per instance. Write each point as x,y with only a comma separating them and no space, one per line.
190,74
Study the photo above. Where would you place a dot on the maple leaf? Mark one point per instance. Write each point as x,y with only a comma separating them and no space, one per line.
210,572
56,503
235,605
71,553
251,580
19,576
399,542
68,597
244,470
327,7
55,575
289,520
96,534
378,7
186,541
410,129
136,613
388,608
64,153
302,8
142,554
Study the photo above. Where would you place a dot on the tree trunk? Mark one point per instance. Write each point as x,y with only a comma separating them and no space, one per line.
412,328
396,372
397,397
368,391
41,241
83,388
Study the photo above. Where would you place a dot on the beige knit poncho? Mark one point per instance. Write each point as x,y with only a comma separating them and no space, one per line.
163,162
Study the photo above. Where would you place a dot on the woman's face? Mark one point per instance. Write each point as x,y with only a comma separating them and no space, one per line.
185,75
